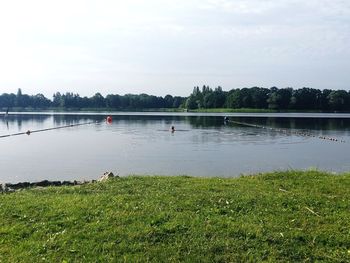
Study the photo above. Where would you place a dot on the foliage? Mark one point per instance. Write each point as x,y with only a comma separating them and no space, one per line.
70,100
276,217
304,99
273,99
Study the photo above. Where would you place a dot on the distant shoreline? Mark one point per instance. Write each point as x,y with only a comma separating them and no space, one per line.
214,110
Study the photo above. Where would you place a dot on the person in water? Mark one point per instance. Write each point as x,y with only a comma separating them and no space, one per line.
172,128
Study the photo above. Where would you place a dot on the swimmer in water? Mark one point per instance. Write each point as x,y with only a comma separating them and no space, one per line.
172,129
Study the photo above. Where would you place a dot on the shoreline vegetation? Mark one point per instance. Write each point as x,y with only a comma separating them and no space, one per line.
206,99
170,110
288,216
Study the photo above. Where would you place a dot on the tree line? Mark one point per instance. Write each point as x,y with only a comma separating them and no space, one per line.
200,98
273,98
70,100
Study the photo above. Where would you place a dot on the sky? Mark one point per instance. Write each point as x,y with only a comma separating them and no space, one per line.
164,47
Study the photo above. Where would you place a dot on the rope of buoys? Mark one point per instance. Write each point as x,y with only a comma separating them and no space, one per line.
28,132
285,131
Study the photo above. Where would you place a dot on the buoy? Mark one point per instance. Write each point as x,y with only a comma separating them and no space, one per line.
28,132
109,119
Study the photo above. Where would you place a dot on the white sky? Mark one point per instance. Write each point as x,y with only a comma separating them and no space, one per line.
168,46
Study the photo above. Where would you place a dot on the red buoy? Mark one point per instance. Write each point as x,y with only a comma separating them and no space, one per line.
109,119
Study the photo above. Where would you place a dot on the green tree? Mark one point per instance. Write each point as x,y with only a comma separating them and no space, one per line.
57,100
234,99
304,99
40,101
7,100
338,100
98,101
279,98
168,101
219,97
19,101
178,102
259,97
191,103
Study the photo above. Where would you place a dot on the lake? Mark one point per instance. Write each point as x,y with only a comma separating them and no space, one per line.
142,143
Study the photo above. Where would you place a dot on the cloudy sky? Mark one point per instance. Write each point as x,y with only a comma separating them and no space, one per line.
168,46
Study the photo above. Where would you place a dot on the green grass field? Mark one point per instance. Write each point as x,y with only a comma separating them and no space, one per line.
276,217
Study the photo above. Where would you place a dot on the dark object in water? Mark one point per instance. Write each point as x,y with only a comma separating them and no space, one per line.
7,112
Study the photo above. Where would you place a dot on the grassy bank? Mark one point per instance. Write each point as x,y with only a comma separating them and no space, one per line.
281,216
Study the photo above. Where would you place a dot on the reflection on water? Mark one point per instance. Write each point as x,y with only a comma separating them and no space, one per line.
15,122
143,144
289,123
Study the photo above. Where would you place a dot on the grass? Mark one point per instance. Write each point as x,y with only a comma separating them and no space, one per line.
276,217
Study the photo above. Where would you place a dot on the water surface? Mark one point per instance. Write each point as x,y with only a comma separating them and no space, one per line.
141,143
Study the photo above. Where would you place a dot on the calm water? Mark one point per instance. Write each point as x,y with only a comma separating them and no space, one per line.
142,144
